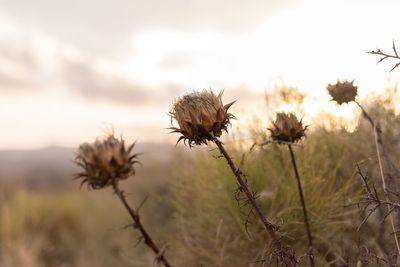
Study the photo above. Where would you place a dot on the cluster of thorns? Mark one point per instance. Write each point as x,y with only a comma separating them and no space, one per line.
371,200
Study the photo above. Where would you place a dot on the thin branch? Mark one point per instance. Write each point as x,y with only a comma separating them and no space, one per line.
283,254
138,225
271,228
384,190
303,204
391,167
372,197
367,217
385,55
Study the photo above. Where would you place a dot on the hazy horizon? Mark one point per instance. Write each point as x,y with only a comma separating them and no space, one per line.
69,70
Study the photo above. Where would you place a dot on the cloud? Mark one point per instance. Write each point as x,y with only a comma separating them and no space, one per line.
101,26
11,82
34,63
19,67
176,60
87,81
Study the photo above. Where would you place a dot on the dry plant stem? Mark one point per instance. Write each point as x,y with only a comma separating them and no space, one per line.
284,256
303,204
385,55
389,163
386,193
271,228
138,225
378,139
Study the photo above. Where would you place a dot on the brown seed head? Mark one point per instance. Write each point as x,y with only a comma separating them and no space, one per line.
199,115
342,92
287,128
105,161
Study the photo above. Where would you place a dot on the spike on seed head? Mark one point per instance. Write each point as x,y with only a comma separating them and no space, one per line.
287,128
342,92
199,115
105,161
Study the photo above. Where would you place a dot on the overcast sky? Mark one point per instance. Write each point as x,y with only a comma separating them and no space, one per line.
70,69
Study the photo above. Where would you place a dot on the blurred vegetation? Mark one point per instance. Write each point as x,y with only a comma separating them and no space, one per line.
212,225
72,227
192,206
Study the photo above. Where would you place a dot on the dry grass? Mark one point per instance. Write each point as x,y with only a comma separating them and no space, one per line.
192,205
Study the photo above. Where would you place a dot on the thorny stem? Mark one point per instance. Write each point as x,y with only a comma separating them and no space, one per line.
138,225
269,226
303,204
395,229
385,56
391,167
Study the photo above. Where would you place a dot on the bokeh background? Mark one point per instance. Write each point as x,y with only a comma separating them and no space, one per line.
70,68
71,71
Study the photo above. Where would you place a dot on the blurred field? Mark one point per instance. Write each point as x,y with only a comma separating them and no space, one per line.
47,221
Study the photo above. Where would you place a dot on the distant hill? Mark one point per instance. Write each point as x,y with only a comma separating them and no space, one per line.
54,163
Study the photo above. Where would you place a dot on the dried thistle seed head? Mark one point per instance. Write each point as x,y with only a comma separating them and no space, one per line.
199,115
342,92
287,128
105,161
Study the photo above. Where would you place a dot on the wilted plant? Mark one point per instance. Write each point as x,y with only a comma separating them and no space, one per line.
105,162
346,92
342,92
202,117
287,129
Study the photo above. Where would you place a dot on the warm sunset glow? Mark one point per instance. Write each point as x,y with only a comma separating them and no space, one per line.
59,86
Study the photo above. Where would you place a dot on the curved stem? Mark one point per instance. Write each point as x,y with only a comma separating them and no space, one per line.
286,257
138,225
271,228
303,204
391,168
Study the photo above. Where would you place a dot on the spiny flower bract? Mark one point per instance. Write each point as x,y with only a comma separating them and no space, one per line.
342,92
105,161
287,128
200,115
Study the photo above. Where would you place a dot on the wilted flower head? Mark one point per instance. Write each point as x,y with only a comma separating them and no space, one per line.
342,92
287,128
105,161
199,115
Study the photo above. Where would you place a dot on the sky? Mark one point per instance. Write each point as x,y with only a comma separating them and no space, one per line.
70,70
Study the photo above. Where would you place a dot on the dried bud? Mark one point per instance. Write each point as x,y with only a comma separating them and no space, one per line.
287,128
342,92
199,115
105,161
